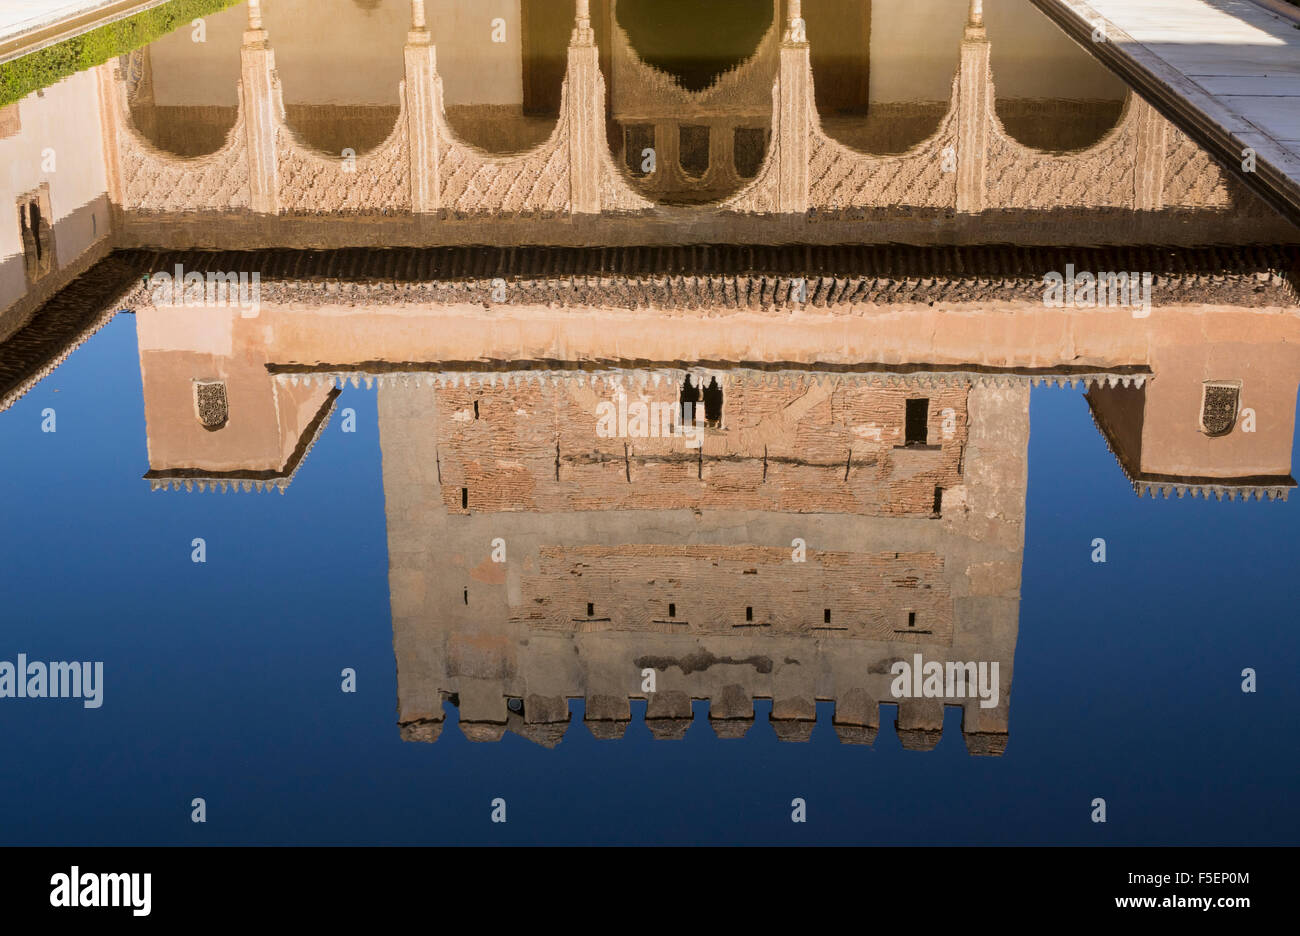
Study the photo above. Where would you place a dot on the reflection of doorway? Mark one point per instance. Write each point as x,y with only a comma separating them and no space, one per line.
839,41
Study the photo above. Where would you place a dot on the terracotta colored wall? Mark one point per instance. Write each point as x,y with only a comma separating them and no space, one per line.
781,448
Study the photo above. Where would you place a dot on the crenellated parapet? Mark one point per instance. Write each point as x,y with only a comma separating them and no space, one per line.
731,715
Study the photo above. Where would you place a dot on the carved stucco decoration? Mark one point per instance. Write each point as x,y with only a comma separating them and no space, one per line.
1219,403
210,403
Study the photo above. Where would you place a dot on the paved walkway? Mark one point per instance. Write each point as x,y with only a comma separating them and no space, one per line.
28,25
1226,70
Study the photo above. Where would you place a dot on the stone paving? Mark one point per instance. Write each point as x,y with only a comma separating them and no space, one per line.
1229,68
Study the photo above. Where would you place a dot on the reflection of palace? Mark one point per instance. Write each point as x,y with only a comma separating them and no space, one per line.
866,406
905,479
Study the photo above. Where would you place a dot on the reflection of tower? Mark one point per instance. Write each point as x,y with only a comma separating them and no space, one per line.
639,551
213,414
1219,420
630,543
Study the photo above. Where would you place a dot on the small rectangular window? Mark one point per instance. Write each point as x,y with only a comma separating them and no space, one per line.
916,430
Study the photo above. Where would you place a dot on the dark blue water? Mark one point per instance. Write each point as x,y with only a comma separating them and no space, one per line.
222,679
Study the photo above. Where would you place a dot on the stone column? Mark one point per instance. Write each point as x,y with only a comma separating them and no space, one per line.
974,98
668,174
722,154
113,114
146,114
585,111
1149,156
257,94
423,90
794,123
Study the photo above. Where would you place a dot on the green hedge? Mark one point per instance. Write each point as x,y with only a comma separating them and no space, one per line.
43,68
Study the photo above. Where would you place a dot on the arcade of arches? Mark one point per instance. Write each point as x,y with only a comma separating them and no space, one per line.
689,83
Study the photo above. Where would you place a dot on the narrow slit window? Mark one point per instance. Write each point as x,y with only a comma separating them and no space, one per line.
591,609
749,614
911,618
672,610
826,616
689,399
34,223
464,498
713,404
